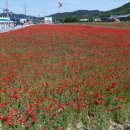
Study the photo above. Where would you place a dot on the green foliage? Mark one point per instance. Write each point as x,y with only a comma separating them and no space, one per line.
71,19
128,18
125,9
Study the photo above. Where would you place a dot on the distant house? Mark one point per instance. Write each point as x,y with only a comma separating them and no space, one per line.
16,20
98,20
123,17
48,20
118,17
84,20
23,20
5,22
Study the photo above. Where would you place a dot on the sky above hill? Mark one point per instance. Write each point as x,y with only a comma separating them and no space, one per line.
47,7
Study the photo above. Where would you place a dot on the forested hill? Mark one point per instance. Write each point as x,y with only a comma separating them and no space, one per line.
125,9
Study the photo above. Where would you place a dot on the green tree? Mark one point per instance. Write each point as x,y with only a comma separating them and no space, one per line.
128,18
71,19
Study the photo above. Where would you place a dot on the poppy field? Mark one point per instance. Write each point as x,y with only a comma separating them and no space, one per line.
55,75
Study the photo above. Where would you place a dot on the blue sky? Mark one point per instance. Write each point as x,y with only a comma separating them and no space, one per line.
47,7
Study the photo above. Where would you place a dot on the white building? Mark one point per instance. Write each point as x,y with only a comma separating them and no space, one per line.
23,20
48,20
5,22
98,20
84,20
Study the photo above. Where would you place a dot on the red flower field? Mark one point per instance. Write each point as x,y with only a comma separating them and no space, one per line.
53,75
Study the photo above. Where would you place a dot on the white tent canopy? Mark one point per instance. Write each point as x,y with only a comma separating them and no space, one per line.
5,20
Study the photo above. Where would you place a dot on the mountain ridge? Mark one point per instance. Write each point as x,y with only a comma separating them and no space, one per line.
124,9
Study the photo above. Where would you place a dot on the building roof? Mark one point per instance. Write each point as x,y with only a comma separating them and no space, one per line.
119,16
124,16
5,19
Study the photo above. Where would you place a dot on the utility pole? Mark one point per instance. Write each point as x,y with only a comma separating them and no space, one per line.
25,9
7,11
25,12
7,8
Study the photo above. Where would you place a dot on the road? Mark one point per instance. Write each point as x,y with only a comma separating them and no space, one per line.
3,30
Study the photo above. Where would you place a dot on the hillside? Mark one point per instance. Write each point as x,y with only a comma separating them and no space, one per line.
125,9
78,13
12,15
